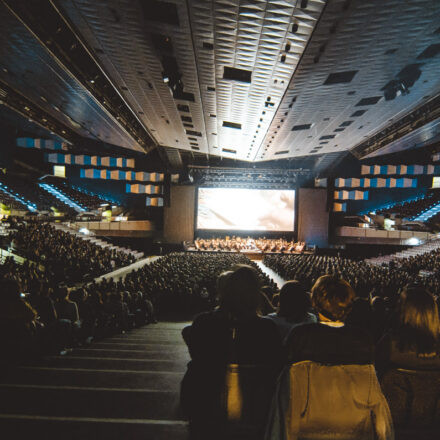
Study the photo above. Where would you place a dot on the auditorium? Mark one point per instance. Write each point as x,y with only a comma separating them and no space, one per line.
220,219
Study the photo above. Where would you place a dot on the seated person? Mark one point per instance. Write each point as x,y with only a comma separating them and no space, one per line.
234,333
414,342
409,358
294,306
330,388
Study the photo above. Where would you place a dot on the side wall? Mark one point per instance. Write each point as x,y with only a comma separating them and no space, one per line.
179,217
313,216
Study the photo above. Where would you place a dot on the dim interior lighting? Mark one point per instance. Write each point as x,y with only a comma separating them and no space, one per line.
92,81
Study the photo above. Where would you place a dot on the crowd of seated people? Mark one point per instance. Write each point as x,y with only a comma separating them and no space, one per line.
412,208
9,201
87,201
65,257
338,358
241,244
183,282
52,320
385,281
29,190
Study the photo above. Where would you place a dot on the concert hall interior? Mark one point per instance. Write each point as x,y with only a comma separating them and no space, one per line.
220,219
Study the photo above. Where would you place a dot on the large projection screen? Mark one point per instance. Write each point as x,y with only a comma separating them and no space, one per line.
238,209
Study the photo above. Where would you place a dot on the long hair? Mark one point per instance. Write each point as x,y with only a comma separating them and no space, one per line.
239,292
419,321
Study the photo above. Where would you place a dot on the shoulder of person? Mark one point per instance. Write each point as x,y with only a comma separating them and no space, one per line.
303,329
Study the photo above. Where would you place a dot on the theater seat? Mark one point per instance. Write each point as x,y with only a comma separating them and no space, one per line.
414,400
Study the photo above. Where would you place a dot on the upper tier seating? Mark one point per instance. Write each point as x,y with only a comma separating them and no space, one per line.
8,200
413,208
32,193
88,202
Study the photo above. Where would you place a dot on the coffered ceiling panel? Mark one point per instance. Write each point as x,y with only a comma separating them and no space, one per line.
253,80
360,52
235,60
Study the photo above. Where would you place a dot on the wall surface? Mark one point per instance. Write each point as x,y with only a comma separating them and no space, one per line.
179,217
313,216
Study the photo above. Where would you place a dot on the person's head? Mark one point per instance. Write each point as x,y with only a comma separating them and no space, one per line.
332,297
294,301
239,292
419,320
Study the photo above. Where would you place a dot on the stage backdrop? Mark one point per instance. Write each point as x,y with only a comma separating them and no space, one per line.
313,216
179,217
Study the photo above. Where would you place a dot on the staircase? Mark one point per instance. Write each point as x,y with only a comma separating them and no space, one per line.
429,246
27,203
97,241
425,215
124,387
62,197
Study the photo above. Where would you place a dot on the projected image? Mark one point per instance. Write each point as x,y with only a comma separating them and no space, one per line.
246,209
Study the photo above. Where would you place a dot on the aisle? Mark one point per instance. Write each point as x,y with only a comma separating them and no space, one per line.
278,280
124,387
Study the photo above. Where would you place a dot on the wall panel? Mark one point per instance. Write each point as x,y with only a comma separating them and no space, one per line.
179,217
313,216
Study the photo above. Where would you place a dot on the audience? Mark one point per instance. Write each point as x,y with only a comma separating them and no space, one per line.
413,207
65,257
358,319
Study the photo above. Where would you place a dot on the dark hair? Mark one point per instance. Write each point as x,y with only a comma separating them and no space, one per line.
332,297
239,294
419,321
294,301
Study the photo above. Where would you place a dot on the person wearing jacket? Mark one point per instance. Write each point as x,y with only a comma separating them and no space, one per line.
329,387
232,335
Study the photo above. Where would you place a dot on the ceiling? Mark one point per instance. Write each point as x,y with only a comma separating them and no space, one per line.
252,80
